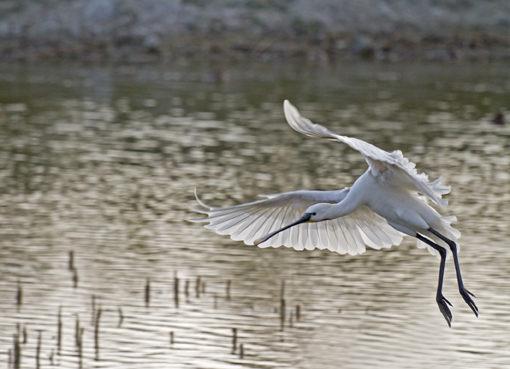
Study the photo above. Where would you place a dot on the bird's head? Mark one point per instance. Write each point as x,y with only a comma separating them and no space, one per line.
318,212
315,213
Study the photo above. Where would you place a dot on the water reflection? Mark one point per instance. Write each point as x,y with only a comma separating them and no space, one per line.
103,162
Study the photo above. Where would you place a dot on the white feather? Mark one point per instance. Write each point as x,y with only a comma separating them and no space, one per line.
377,159
389,198
349,234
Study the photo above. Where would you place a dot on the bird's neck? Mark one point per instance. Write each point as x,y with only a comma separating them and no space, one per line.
355,197
344,207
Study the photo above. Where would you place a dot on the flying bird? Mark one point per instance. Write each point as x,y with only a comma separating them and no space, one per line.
388,201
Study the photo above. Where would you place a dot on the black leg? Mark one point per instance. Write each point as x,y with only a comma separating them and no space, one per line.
463,291
442,302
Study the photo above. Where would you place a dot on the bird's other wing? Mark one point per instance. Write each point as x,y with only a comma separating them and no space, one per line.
251,221
378,160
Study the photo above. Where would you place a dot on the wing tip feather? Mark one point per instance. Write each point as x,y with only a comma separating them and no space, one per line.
201,202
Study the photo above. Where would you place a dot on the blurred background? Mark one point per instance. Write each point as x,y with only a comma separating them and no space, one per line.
226,30
112,112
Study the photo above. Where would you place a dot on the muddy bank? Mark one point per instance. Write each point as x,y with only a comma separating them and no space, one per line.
268,30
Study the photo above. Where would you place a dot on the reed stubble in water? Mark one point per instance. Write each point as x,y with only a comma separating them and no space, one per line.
147,292
96,333
75,278
77,331
80,347
38,351
229,282
93,303
59,330
71,260
176,289
19,295
234,340
17,351
186,290
73,269
25,335
282,313
197,287
282,306
121,317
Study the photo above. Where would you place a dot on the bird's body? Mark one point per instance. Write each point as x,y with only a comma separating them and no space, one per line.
389,199
403,209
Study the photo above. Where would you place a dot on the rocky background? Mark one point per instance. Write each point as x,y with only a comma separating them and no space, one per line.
318,31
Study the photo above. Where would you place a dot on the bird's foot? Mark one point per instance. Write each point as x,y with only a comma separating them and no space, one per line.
466,295
443,303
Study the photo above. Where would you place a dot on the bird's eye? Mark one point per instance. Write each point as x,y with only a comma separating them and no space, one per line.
314,214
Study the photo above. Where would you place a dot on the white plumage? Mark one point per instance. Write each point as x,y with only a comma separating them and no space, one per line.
378,160
388,200
348,234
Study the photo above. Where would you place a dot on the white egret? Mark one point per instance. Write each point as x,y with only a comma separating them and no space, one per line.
388,200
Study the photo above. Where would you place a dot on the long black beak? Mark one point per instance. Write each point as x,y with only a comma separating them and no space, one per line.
304,219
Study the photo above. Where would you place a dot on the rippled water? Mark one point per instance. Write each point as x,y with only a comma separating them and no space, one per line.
103,162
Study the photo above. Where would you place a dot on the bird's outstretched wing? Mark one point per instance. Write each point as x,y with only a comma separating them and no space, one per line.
349,234
378,160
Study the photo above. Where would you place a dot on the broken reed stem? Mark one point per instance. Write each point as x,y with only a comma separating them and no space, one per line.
25,335
171,338
71,260
80,347
75,278
19,294
298,312
147,292
96,333
234,340
282,313
282,305
38,351
17,352
93,303
241,351
59,330
121,317
77,331
197,287
229,282
176,289
186,290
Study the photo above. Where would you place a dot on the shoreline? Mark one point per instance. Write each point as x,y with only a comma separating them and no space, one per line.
319,32
230,47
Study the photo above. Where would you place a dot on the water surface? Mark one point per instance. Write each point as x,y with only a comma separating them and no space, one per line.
102,161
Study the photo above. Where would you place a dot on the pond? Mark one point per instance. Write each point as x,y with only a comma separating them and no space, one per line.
102,162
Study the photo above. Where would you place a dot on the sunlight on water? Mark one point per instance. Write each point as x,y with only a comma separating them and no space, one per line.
103,162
